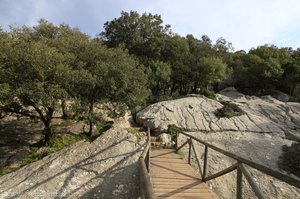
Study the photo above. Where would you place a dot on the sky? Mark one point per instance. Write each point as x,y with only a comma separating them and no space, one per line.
244,23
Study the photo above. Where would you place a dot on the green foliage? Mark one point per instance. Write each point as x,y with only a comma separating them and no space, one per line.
139,33
290,159
57,143
47,64
102,126
262,68
159,98
208,93
228,110
4,170
173,130
3,141
136,132
44,65
180,153
160,75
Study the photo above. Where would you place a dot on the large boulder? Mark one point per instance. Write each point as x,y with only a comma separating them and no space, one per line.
105,168
197,113
165,139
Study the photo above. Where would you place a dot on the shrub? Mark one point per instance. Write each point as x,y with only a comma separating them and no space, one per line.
208,93
290,159
4,170
228,110
172,130
102,126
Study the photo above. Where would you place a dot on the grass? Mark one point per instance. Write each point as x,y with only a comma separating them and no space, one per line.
57,144
4,170
136,132
64,123
102,126
64,140
180,153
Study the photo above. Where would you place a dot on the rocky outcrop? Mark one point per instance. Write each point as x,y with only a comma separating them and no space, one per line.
165,139
257,133
261,115
261,148
105,168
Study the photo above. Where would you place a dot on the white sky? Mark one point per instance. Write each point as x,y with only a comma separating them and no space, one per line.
245,23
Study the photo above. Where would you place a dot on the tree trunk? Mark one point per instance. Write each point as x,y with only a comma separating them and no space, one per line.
91,111
194,90
48,134
63,109
173,88
292,90
47,129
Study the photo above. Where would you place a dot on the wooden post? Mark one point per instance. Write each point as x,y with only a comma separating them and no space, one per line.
252,183
176,140
239,182
190,150
147,161
205,162
197,159
148,153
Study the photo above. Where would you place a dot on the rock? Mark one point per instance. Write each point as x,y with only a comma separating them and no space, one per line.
197,113
83,170
165,138
280,96
256,147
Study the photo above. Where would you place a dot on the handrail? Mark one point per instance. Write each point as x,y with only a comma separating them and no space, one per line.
144,167
241,170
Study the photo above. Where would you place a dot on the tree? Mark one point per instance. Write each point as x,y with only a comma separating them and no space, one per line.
137,32
107,75
160,76
257,73
291,76
31,79
208,71
223,46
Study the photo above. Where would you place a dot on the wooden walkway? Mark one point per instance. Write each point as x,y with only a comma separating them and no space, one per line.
173,177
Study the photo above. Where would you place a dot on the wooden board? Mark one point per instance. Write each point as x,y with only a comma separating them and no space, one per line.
173,177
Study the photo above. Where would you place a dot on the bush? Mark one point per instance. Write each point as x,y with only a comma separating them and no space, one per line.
4,170
290,159
159,98
102,126
173,130
208,93
228,110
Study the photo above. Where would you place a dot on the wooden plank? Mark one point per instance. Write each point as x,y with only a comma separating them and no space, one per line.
172,177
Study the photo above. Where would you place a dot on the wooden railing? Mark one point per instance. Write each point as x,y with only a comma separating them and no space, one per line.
144,168
239,166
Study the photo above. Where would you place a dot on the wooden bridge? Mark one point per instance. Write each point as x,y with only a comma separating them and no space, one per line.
165,174
173,177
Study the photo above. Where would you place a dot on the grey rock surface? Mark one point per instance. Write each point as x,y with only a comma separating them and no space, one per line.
165,139
261,148
258,134
260,115
105,168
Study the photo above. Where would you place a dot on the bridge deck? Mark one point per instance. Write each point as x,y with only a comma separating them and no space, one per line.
172,177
